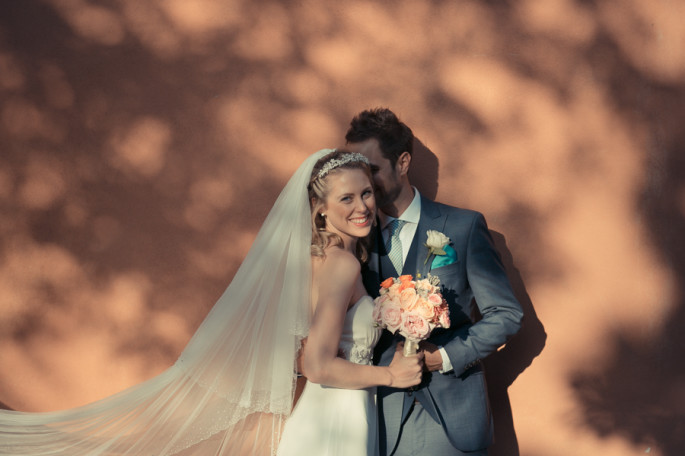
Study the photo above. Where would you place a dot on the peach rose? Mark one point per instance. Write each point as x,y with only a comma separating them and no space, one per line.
387,282
405,278
425,310
405,285
408,297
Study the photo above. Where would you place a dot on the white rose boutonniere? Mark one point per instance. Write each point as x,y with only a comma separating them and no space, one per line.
436,244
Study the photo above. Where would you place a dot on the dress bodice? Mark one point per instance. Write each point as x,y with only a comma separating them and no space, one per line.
360,334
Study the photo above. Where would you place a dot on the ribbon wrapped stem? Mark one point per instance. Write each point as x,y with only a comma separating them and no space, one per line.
411,347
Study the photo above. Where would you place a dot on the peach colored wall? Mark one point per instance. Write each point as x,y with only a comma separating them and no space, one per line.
142,143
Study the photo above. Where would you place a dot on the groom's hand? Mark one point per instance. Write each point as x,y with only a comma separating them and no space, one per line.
432,360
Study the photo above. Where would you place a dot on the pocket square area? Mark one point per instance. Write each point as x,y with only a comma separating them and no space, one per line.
448,258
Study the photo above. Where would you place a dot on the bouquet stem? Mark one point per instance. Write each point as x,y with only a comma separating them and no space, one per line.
411,347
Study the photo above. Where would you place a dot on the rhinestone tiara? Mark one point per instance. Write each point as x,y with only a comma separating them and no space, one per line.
337,162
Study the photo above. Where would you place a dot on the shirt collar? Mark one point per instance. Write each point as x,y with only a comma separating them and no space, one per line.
411,214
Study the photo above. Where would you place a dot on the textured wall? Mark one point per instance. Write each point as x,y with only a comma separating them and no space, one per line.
142,143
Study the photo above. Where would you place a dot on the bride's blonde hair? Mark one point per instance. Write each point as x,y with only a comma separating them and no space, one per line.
318,188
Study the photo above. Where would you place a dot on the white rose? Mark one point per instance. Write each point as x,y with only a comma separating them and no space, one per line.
436,240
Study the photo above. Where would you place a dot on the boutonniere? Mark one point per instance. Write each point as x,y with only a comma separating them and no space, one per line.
436,244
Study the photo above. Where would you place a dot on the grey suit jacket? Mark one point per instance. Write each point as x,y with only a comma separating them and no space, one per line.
484,314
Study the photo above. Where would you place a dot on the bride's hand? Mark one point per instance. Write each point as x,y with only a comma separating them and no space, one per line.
405,371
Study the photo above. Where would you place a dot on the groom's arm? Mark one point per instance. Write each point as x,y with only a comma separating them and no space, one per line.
500,310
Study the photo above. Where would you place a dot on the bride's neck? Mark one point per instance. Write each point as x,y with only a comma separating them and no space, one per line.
350,244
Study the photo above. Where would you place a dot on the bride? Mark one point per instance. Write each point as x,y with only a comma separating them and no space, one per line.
231,390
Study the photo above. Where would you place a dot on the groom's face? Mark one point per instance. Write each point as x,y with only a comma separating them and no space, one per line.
386,178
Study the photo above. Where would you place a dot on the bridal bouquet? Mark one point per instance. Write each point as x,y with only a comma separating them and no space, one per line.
412,308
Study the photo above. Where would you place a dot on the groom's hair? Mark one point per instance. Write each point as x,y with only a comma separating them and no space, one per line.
394,137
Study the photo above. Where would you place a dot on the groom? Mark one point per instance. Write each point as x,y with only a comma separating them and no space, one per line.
448,414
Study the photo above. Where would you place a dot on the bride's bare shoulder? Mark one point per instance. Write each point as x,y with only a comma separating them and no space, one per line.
338,262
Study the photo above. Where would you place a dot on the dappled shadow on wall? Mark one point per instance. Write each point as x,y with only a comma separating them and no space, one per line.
639,391
124,214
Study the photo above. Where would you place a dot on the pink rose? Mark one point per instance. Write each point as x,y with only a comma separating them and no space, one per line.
391,317
414,327
394,301
380,301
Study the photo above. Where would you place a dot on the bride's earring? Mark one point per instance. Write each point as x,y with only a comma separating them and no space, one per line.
323,215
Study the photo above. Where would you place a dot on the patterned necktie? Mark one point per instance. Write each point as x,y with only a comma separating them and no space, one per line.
393,245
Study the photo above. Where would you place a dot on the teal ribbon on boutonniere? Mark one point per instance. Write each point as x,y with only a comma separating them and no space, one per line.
438,245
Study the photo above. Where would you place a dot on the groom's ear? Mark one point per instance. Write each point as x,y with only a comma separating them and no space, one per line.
403,162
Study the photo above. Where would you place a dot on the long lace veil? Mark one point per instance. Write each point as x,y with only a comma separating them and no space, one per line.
232,387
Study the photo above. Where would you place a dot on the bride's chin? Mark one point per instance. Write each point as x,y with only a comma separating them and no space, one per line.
365,232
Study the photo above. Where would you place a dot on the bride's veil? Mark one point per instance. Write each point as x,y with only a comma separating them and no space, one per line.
232,387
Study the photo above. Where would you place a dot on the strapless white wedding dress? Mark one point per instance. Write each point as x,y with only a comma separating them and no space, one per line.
330,421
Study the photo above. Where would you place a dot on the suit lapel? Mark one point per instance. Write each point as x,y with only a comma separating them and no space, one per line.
431,219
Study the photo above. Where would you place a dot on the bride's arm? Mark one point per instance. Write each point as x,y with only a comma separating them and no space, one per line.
336,281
